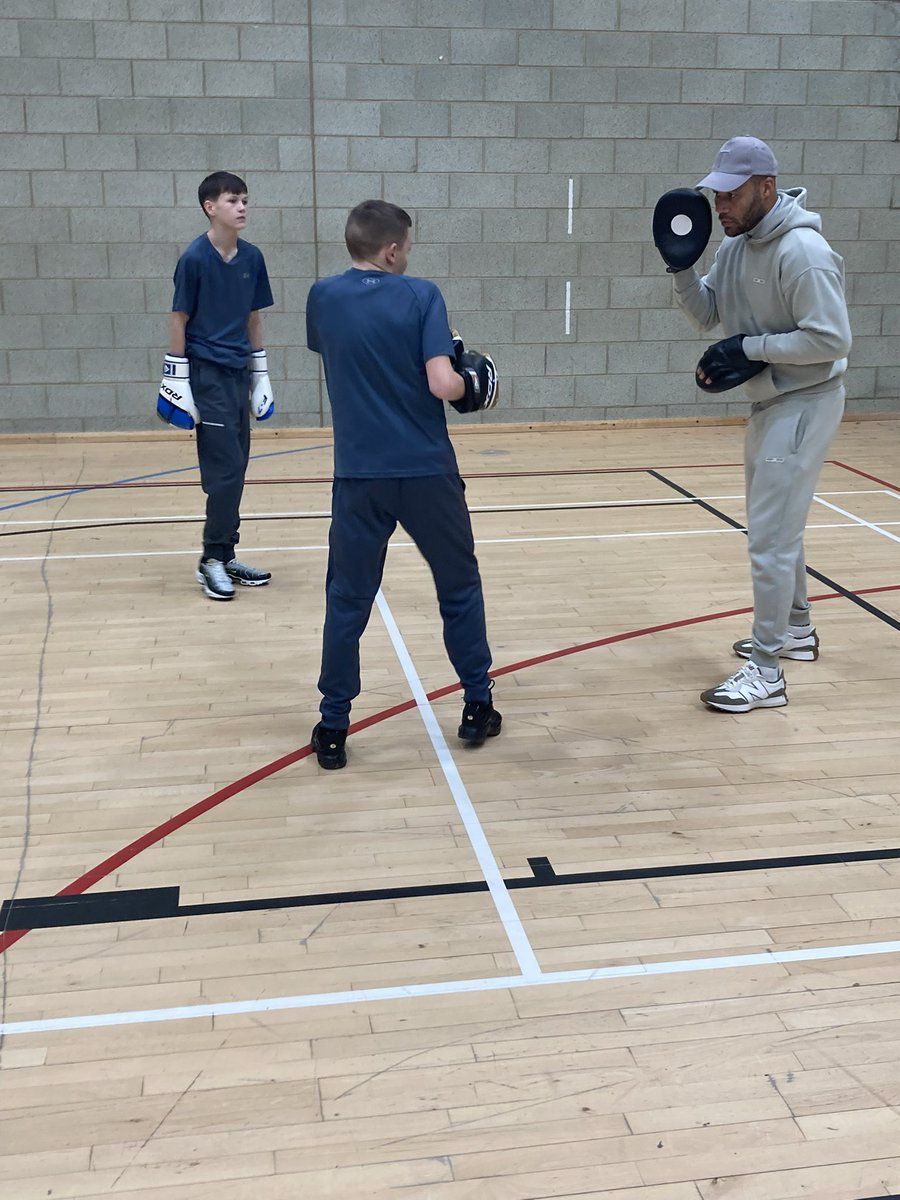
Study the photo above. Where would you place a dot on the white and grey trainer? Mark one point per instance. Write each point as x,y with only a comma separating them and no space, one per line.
213,578
240,572
747,689
800,647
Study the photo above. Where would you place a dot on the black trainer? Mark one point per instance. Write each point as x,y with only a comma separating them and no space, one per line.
480,720
329,747
247,576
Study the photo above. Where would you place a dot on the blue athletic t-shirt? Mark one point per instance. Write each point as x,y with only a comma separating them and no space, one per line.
218,297
375,331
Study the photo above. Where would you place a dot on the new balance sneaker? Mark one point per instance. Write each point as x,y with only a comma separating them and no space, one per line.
213,578
747,689
480,720
239,572
329,747
802,648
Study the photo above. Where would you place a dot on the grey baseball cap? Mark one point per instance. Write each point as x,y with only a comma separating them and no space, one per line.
737,160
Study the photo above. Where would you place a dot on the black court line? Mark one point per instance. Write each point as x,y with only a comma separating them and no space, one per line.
124,484
831,583
478,511
150,904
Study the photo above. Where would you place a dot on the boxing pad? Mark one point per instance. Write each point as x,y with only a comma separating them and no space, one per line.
479,374
682,223
262,402
175,402
726,366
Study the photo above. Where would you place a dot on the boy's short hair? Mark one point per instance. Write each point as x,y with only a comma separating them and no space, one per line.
373,225
218,184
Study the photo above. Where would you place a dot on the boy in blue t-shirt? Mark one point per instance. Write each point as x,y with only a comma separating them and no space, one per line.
216,371
387,351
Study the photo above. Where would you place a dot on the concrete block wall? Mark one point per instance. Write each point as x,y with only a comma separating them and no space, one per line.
482,117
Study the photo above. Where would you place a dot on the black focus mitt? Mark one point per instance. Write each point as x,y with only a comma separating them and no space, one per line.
682,223
479,374
725,366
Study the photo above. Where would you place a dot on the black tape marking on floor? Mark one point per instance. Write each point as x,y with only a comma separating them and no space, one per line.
150,904
836,587
324,516
92,908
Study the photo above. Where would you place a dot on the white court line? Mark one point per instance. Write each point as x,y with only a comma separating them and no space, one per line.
568,307
93,519
562,537
571,206
859,520
512,922
448,987
311,514
65,522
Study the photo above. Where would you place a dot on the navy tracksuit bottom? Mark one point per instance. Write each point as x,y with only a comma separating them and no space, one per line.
222,396
364,513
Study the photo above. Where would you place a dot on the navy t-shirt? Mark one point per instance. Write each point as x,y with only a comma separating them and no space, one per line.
375,331
218,297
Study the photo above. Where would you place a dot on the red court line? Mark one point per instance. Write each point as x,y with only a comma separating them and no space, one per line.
181,483
95,874
865,474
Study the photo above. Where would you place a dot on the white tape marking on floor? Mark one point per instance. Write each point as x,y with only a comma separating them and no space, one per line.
562,537
859,520
66,522
449,987
512,922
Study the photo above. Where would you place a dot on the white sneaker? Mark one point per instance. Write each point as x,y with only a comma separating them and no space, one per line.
801,649
747,689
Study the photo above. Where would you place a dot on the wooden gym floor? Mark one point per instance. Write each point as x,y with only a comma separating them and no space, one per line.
631,949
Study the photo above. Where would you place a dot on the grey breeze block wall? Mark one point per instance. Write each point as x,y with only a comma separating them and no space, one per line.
481,117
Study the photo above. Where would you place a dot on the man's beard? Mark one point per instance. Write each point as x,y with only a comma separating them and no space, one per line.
755,214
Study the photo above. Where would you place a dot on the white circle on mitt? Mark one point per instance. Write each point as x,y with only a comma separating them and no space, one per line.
682,224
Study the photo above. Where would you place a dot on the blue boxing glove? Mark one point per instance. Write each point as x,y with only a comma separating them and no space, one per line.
262,402
175,402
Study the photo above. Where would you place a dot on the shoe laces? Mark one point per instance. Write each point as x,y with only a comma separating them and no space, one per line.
748,673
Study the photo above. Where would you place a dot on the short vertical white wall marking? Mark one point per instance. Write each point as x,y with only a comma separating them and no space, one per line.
569,225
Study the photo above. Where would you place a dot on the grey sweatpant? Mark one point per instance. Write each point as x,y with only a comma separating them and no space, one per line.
784,448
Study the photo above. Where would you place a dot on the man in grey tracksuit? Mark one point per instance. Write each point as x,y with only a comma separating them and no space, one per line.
777,283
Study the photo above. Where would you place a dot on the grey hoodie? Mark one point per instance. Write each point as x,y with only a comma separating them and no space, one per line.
782,286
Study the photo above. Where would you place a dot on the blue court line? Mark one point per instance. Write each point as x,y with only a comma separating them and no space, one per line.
95,487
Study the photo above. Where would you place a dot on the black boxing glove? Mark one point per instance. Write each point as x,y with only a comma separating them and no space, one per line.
725,366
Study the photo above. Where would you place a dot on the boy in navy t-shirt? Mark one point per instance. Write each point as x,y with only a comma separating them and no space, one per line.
216,370
387,351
